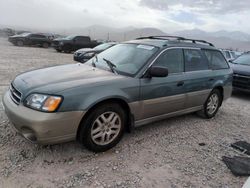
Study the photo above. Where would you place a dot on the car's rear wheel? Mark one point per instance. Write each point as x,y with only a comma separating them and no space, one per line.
19,43
45,45
103,128
67,49
212,104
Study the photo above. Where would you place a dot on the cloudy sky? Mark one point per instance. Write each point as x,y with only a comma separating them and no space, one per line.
168,15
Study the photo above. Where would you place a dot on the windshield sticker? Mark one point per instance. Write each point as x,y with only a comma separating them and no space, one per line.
145,47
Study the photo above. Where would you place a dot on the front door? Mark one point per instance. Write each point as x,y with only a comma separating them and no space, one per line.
165,95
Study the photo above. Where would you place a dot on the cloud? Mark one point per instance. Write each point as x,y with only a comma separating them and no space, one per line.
167,15
187,17
202,6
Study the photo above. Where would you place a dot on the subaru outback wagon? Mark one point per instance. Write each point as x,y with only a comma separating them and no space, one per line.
131,84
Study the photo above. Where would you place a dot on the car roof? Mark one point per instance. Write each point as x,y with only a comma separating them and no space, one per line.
166,42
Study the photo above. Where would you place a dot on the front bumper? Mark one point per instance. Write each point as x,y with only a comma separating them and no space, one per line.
40,127
77,58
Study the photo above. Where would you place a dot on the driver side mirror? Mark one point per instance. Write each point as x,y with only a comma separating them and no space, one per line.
158,71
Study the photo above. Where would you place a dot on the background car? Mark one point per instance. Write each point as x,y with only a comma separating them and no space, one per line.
84,54
230,54
73,43
31,39
241,69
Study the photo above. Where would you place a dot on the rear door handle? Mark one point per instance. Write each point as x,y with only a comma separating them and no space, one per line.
211,79
180,83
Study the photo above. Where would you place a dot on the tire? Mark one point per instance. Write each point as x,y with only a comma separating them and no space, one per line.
58,50
98,135
19,43
67,49
212,104
45,45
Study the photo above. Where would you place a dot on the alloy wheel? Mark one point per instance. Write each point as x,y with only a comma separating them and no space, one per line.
213,103
106,128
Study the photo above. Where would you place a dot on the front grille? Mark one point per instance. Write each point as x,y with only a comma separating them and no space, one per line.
55,43
241,81
77,54
15,94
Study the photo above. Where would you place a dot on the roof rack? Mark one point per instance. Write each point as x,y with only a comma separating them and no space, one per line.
165,37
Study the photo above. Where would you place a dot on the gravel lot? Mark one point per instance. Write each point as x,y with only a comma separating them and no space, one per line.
163,154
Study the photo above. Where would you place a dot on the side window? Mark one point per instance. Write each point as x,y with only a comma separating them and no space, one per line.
194,60
172,59
82,39
216,59
37,36
228,56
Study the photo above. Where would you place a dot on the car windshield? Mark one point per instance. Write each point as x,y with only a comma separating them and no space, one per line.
25,34
127,58
243,60
70,37
103,46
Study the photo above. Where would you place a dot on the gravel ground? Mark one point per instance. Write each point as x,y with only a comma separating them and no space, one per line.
162,154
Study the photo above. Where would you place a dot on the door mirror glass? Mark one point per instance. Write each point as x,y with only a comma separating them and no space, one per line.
158,71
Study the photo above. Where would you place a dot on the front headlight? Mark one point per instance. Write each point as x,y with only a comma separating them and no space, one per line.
43,102
61,43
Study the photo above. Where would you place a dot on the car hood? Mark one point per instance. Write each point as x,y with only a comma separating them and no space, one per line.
85,50
56,79
61,39
240,69
16,36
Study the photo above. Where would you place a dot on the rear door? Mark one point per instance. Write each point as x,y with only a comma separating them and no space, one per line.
37,39
222,74
165,95
199,77
81,42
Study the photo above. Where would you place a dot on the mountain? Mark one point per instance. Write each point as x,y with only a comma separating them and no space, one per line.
236,40
110,33
234,35
222,39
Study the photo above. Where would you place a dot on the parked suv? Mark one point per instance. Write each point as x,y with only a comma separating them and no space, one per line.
241,69
131,84
31,39
73,43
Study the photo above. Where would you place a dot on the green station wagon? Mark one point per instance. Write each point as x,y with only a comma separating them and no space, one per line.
131,84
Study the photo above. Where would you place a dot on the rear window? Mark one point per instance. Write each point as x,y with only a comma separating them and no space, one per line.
194,60
216,59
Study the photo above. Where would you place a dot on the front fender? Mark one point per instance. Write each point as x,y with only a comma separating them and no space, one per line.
85,98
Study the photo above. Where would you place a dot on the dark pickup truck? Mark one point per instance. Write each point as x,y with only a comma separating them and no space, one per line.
30,39
73,43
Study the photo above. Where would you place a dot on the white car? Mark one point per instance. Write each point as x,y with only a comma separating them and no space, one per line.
231,55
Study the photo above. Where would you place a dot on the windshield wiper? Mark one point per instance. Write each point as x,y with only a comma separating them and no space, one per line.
96,59
111,65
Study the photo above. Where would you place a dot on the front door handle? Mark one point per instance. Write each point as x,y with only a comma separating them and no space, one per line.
211,79
180,83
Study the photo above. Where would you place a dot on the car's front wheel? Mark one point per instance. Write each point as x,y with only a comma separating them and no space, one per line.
103,128
212,104
19,43
45,45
